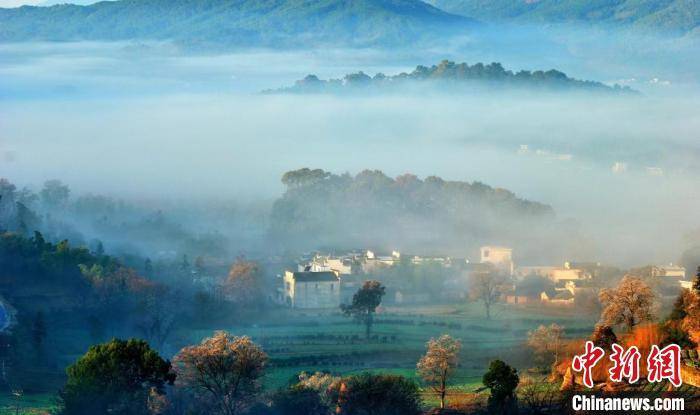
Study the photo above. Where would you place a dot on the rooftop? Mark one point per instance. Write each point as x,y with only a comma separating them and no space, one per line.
309,276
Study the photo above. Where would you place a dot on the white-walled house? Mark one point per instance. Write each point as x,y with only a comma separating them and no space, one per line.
309,289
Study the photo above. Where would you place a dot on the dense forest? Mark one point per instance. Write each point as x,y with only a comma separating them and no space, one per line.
674,16
371,209
233,23
450,74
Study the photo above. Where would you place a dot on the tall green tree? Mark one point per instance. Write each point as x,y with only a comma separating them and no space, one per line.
115,378
364,304
502,380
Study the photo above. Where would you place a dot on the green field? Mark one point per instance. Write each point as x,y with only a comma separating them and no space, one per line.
313,341
322,341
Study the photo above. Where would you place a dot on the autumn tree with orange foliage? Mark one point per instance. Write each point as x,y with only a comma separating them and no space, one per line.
223,371
244,283
630,304
439,363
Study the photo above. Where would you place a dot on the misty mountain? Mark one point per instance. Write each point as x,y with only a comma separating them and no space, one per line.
289,23
321,209
450,74
675,16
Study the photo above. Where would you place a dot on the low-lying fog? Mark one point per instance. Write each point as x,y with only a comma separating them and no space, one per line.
146,122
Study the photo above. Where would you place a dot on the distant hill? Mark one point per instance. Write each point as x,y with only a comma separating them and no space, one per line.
674,16
283,23
322,209
452,75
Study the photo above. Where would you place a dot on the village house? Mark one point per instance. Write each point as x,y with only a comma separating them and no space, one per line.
319,263
500,257
517,295
309,289
670,270
372,261
558,296
556,274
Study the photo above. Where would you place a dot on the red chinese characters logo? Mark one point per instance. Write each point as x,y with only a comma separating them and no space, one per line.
625,363
587,361
665,364
662,364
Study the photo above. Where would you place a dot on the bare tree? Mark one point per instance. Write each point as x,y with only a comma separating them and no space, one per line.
485,288
546,342
439,363
158,311
631,303
223,370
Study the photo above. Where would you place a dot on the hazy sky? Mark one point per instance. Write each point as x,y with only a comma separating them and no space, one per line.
17,3
147,121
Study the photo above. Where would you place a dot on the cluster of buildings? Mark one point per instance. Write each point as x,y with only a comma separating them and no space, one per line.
326,281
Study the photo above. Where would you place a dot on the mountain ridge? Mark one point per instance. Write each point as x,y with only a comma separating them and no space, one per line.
233,22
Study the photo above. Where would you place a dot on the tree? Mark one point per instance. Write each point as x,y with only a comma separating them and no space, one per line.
325,384
157,311
222,369
370,394
54,194
99,249
502,380
244,283
115,378
38,332
199,265
148,267
604,336
185,264
540,395
484,288
365,303
305,176
674,329
439,363
691,321
696,281
546,341
631,303
298,400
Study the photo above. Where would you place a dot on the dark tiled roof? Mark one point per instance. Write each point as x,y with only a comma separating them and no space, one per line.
308,276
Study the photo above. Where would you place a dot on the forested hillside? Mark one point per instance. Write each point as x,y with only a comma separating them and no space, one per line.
233,22
372,209
448,73
674,16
